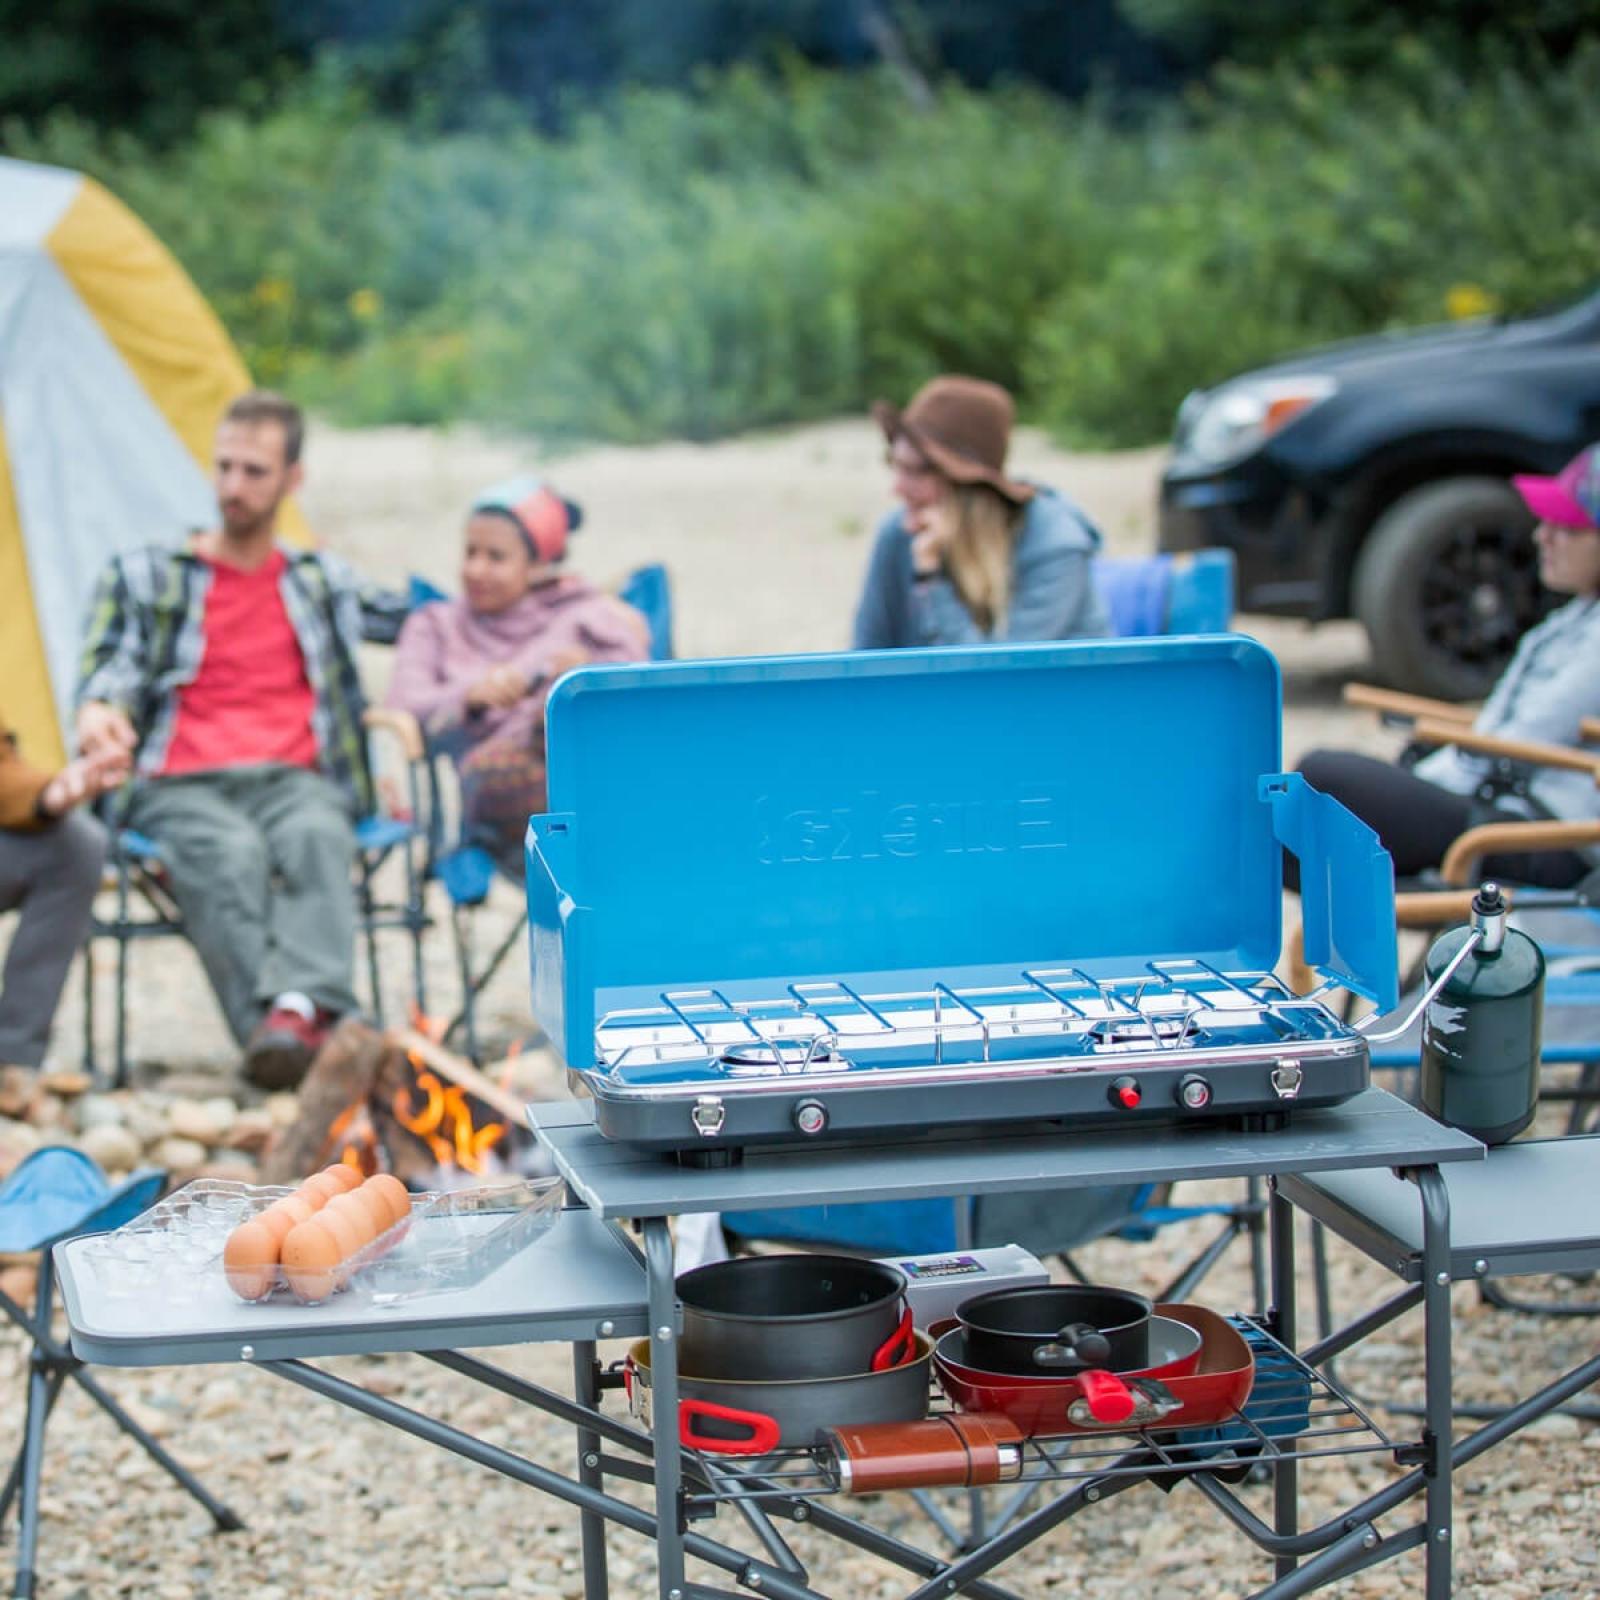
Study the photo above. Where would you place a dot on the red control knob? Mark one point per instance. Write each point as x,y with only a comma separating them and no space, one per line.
1126,1093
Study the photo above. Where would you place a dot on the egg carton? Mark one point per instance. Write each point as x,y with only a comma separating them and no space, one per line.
447,1241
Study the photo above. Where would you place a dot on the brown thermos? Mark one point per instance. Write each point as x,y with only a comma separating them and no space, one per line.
965,1450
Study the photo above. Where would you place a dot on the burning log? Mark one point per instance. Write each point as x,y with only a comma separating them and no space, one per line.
343,1075
394,1102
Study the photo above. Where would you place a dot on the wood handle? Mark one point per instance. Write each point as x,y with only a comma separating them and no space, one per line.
1391,703
1460,865
400,725
1528,751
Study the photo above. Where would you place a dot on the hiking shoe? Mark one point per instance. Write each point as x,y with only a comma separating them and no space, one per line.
281,1048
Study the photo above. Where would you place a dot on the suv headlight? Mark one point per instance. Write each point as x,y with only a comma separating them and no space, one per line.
1226,424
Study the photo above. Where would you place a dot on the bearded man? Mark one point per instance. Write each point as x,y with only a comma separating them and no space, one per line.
225,672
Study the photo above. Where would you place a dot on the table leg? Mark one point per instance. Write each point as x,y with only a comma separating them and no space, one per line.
1438,1376
663,1303
1286,1474
592,1525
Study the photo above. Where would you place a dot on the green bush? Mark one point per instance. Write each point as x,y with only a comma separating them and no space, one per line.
772,248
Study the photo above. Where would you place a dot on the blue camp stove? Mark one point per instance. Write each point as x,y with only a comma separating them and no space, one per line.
878,895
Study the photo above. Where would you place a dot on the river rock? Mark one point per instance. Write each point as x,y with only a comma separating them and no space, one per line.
179,1156
112,1145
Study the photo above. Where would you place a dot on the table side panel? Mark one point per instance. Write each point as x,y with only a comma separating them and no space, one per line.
1529,1207
562,1287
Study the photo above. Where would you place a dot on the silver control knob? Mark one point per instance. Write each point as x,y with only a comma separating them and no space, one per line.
811,1116
1194,1093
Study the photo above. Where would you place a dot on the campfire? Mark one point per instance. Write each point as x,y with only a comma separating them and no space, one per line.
399,1102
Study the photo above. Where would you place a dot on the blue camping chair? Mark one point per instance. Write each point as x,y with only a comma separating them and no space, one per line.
57,1194
467,873
1188,593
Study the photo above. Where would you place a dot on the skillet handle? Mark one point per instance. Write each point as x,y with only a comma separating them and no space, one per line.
898,1347
764,1431
1109,1399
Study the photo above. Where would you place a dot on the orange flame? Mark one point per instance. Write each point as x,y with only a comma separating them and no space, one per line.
353,1131
443,1121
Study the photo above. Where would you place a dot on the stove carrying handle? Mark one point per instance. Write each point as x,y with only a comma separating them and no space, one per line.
1346,888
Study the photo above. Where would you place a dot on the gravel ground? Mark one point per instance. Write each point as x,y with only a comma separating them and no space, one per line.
766,538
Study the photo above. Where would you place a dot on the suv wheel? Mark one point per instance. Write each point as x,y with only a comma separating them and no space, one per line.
1445,585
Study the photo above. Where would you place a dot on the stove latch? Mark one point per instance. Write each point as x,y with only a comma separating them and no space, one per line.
1286,1078
708,1115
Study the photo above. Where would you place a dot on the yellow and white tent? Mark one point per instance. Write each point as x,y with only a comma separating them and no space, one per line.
113,373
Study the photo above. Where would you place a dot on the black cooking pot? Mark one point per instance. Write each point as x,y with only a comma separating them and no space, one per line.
1059,1328
742,1418
772,1318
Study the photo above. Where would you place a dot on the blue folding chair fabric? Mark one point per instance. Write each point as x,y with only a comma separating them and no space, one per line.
56,1193
1164,594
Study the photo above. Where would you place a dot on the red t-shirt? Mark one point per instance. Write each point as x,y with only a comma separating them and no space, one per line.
250,702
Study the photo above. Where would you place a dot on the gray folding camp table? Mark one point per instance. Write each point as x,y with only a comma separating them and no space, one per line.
584,1281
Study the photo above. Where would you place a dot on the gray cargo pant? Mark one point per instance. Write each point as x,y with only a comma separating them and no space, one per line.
260,863
51,875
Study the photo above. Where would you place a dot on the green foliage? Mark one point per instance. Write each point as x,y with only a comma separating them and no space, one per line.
783,246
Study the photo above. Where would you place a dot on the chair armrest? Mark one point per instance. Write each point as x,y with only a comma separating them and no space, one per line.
1461,859
399,725
1432,908
1589,728
1409,707
1528,751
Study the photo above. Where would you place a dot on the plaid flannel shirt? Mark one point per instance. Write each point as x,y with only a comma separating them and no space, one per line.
146,633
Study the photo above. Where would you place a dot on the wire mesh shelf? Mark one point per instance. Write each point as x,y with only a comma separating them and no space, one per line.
1293,1410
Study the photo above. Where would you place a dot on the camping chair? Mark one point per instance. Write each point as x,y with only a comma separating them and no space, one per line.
468,872
1563,921
57,1194
399,830
1188,593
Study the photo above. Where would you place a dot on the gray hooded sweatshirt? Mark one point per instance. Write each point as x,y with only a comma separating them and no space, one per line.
1052,597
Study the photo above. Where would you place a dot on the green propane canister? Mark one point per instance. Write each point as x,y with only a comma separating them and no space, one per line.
1481,1033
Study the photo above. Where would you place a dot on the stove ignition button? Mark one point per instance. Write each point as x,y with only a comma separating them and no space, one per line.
1194,1093
811,1116
1126,1093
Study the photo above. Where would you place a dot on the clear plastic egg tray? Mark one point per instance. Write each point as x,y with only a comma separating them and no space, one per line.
448,1241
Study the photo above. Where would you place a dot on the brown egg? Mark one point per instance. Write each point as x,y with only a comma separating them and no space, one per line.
278,1223
297,1207
349,1233
393,1192
250,1260
311,1260
347,1177
373,1206
323,1184
353,1215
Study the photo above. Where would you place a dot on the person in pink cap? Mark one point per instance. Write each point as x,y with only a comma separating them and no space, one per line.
476,671
1553,682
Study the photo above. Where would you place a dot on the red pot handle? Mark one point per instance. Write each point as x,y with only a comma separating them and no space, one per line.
764,1431
1108,1397
898,1348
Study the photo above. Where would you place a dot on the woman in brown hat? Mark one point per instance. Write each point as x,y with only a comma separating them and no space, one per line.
970,555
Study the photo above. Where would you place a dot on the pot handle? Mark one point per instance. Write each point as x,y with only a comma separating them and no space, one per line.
1109,1399
764,1431
898,1347
1078,1344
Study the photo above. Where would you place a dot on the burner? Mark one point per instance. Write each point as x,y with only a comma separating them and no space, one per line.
775,1058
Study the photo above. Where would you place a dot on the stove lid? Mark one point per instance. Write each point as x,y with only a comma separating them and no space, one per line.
899,818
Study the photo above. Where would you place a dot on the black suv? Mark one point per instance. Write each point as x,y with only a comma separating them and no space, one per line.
1368,479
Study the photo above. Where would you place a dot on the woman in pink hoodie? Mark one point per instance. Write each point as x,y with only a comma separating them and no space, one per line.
476,672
